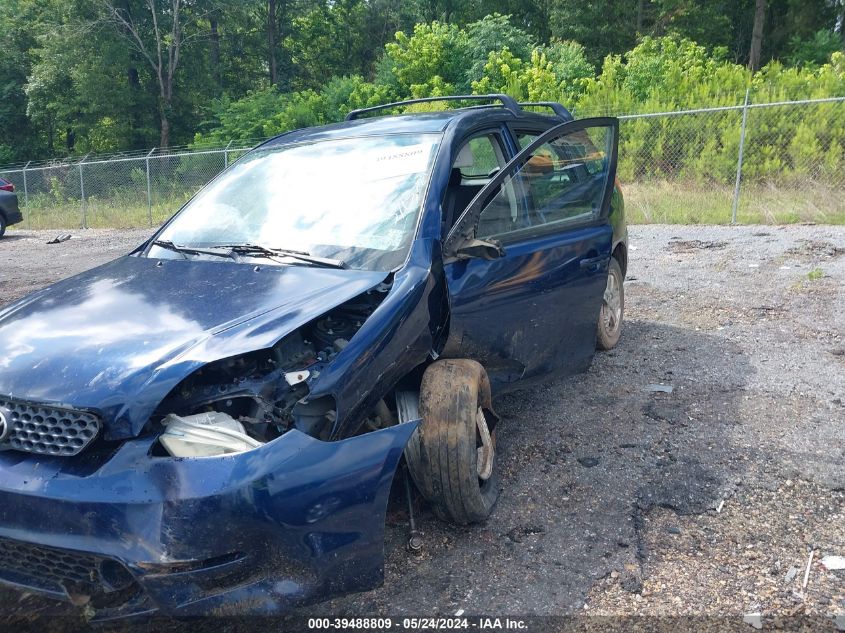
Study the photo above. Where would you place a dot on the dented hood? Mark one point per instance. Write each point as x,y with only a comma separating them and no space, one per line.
119,337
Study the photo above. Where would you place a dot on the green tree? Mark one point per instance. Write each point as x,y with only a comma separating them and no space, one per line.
158,32
814,51
103,75
78,84
602,27
494,33
19,139
571,68
436,54
326,42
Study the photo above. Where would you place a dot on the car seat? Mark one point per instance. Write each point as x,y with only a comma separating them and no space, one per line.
458,195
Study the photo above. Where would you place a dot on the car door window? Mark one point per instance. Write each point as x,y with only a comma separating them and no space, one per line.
526,138
562,182
477,161
480,157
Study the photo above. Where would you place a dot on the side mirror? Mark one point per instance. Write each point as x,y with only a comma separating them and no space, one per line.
481,249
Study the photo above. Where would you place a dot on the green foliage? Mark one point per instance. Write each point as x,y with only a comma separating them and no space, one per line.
70,87
503,72
435,56
658,75
531,81
242,119
659,68
672,73
324,43
299,109
490,34
602,27
570,66
342,94
268,112
814,51
72,83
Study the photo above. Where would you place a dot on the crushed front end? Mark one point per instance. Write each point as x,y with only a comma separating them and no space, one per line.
290,522
126,526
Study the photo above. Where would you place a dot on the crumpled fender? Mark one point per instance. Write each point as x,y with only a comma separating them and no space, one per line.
395,339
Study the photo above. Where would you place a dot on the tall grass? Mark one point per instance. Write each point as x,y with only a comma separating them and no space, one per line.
672,202
649,202
100,213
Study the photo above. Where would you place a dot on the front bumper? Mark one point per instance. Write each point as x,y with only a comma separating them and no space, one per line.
295,521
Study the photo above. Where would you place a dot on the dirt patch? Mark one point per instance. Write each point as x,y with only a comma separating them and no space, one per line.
750,557
687,246
816,249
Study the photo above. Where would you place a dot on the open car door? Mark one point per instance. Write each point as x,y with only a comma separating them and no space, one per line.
526,263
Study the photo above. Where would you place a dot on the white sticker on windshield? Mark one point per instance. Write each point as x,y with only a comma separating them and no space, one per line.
401,161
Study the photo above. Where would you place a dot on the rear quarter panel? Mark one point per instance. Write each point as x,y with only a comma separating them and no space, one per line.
620,226
9,207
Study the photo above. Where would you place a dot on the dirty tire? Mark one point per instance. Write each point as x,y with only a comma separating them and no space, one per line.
443,455
2,225
612,308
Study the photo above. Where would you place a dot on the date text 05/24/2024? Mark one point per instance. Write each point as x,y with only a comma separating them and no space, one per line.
418,624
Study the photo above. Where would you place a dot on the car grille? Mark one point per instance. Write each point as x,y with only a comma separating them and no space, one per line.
47,430
55,568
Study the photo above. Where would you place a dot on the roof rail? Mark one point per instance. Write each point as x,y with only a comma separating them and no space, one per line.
509,102
554,106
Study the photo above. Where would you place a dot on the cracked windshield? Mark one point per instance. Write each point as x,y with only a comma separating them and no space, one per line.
356,200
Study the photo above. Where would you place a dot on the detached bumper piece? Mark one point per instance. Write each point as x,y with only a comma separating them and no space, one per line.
45,429
64,574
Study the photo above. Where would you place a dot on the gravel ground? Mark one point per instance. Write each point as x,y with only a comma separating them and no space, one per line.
618,500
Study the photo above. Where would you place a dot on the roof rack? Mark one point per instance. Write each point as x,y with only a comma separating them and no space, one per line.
555,107
509,102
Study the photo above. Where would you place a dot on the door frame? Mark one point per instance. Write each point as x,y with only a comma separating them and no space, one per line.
466,226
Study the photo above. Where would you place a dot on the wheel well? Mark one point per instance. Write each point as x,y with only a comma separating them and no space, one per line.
620,254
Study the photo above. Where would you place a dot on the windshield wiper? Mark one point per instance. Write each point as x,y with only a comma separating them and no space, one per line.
256,250
194,250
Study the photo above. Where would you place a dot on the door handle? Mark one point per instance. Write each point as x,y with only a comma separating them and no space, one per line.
592,264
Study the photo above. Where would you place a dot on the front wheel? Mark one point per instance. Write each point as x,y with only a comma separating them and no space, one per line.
2,225
452,456
612,308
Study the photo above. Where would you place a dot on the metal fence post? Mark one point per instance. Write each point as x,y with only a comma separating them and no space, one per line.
82,194
739,158
149,190
226,156
26,197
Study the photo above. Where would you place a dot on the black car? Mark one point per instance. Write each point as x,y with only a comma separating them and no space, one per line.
10,213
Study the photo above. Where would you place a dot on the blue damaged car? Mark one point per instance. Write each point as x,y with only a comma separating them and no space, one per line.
211,424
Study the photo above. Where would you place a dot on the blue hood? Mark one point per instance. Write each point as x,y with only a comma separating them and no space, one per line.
119,337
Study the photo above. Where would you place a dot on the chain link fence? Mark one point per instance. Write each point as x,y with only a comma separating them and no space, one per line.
115,191
754,163
750,163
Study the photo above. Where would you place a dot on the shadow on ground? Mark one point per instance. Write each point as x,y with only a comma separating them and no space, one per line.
582,459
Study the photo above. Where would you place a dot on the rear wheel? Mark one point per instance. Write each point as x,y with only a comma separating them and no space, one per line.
452,456
2,225
612,308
